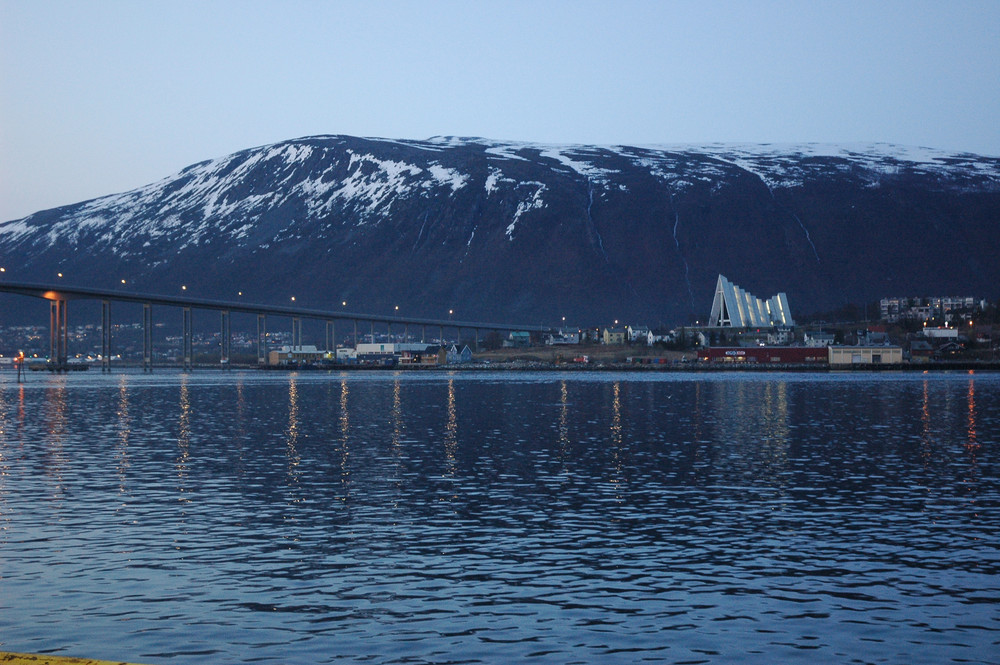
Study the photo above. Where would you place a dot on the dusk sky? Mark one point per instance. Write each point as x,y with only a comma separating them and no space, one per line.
98,97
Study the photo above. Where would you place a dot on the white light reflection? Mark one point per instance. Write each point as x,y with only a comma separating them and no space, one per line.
398,424
617,462
56,462
451,432
5,470
291,445
124,433
972,443
925,425
183,440
563,422
345,428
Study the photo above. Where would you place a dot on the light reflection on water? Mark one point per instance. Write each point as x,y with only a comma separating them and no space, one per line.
415,517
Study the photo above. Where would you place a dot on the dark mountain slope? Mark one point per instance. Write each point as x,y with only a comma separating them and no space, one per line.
501,231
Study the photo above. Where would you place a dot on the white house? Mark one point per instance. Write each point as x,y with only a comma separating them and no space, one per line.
818,339
658,335
637,333
455,356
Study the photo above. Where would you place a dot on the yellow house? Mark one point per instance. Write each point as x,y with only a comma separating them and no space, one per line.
614,336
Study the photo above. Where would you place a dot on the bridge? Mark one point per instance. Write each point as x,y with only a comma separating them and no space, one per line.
58,295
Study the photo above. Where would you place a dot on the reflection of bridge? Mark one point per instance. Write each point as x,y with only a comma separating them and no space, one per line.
58,296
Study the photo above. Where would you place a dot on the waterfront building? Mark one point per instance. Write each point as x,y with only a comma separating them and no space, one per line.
840,356
637,334
784,355
429,355
613,336
563,337
454,356
941,333
517,339
924,309
295,355
734,307
819,339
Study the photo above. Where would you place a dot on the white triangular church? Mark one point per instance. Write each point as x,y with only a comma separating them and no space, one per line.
734,307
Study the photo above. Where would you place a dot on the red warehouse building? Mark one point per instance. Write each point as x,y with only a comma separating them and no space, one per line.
765,354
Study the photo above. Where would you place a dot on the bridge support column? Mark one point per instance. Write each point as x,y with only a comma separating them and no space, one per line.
58,335
475,342
187,346
331,337
355,333
296,334
147,337
261,339
423,334
372,340
105,336
226,339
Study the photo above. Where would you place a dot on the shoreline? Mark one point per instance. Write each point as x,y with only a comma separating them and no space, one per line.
539,366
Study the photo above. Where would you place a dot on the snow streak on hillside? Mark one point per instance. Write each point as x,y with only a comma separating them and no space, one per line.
357,182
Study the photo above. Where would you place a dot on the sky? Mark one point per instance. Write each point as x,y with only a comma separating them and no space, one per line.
102,96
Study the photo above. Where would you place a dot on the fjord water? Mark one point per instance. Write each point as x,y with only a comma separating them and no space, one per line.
493,517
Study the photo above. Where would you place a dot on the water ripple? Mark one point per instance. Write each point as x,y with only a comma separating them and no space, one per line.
400,518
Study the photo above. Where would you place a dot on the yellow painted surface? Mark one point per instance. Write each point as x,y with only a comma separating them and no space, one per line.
7,658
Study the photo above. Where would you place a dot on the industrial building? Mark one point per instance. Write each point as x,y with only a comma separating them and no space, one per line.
785,355
734,307
835,356
865,355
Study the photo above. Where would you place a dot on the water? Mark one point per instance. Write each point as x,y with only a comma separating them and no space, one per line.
435,518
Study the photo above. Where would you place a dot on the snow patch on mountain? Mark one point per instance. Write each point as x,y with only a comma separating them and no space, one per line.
507,151
447,177
371,186
790,165
533,203
586,169
361,180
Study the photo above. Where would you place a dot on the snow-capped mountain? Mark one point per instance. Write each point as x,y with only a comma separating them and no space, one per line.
531,232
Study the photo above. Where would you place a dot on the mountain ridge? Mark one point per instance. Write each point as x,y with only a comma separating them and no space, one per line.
500,229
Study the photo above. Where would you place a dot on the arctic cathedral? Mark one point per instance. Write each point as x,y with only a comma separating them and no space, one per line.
734,307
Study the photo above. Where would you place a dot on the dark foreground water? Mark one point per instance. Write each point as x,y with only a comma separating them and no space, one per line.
434,518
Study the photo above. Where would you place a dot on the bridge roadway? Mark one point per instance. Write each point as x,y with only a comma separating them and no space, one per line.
58,295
